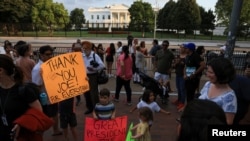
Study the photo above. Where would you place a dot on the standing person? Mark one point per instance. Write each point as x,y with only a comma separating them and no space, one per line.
142,128
24,61
92,68
130,39
124,74
51,110
12,103
140,63
119,48
143,48
200,51
179,80
132,51
240,85
105,109
153,51
68,118
76,47
196,118
100,51
194,67
163,63
9,50
221,72
110,52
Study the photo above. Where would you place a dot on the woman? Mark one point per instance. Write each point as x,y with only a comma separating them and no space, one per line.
221,72
110,52
100,51
124,74
24,61
14,104
179,65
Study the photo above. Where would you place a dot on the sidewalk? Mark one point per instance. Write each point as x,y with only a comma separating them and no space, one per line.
164,126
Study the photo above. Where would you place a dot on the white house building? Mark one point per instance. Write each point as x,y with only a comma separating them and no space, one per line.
115,15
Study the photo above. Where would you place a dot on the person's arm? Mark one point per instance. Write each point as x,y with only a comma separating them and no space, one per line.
113,114
133,128
164,112
230,118
36,104
133,109
94,115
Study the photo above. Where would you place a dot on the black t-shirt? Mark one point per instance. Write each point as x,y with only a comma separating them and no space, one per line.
194,60
13,104
240,85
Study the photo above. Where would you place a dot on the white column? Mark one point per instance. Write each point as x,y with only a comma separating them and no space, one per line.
118,18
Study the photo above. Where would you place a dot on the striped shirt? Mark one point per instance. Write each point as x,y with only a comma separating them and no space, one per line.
104,111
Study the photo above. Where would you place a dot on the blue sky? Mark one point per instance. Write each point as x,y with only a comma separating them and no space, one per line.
85,4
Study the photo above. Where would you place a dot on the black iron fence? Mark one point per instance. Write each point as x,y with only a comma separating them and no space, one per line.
144,30
240,59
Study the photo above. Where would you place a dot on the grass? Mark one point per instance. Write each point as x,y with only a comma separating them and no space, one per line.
159,35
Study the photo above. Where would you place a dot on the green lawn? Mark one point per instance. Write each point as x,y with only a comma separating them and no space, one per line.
159,35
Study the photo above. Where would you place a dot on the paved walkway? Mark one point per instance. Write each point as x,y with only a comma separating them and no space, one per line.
164,126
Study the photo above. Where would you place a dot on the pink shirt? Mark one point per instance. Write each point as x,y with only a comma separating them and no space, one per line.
127,66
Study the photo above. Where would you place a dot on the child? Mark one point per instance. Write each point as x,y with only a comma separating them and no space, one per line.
105,109
142,129
148,100
68,117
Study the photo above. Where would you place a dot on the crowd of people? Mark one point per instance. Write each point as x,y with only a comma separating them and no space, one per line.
225,94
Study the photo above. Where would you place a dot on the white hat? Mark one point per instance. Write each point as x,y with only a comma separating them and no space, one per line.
223,48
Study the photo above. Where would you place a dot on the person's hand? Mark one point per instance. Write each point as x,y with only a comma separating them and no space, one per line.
90,69
168,113
15,130
247,72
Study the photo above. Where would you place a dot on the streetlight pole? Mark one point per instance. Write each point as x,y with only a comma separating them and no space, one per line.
156,9
234,22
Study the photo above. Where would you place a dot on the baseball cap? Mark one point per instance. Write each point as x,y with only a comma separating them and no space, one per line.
190,46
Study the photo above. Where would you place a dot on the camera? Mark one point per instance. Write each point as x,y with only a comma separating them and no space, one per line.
94,63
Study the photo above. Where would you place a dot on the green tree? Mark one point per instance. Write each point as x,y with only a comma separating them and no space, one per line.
164,16
49,15
142,17
207,21
77,18
186,15
13,12
223,10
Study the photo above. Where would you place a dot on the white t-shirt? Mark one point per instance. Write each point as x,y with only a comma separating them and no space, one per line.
153,106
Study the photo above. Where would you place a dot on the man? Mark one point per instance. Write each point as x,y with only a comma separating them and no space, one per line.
194,67
153,51
240,85
92,68
163,63
51,110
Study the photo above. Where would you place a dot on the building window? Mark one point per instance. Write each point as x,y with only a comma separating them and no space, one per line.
92,17
109,17
103,17
97,17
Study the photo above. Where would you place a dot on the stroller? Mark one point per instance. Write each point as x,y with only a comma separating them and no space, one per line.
153,85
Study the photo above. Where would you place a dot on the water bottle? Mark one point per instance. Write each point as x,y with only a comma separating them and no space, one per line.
43,99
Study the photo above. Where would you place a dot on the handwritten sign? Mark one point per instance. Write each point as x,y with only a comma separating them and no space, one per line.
64,76
105,130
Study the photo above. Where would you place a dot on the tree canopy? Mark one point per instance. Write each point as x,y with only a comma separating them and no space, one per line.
142,16
77,18
223,10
